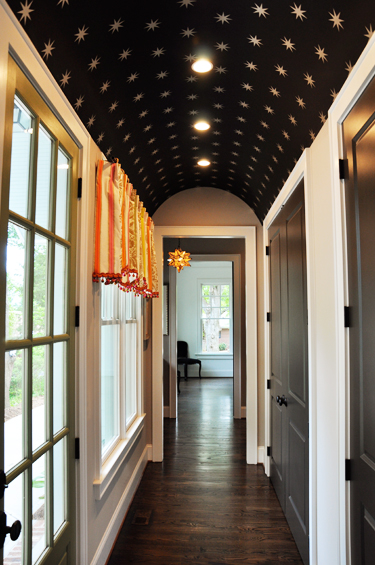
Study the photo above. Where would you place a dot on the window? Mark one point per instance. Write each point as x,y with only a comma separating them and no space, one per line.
216,318
120,365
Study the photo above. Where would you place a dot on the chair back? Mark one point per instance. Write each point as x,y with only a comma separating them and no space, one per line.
182,349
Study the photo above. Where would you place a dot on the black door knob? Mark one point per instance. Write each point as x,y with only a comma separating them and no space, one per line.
14,530
278,400
284,401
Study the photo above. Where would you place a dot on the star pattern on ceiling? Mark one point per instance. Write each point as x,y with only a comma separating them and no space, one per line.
126,70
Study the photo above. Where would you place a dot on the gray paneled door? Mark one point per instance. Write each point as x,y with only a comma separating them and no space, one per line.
289,367
359,144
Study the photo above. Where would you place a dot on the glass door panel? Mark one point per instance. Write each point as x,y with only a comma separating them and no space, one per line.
40,291
15,292
21,160
40,378
62,194
13,408
59,379
59,321
43,178
59,485
14,503
38,494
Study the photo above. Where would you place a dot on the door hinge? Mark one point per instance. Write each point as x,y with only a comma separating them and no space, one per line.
346,316
268,383
348,470
76,448
268,316
268,451
267,249
343,169
79,190
76,318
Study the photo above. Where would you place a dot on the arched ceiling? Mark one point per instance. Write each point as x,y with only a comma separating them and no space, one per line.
126,69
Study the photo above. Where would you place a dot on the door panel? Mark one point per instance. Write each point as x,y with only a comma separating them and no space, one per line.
37,282
289,389
359,148
277,427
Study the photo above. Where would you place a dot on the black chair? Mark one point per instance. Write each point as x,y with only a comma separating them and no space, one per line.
184,359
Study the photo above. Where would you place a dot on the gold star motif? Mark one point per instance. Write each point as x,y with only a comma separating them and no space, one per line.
179,259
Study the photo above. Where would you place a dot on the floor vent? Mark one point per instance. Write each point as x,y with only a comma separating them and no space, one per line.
142,517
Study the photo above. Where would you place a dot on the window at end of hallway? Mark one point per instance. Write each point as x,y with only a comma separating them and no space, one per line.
215,318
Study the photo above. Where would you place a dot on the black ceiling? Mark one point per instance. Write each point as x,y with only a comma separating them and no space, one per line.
126,69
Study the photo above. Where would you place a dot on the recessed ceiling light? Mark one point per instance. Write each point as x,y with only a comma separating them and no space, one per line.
202,126
204,163
202,66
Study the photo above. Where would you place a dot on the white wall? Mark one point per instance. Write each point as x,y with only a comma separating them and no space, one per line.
188,323
97,521
204,206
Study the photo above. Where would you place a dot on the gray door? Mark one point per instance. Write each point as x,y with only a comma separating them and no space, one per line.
359,144
289,367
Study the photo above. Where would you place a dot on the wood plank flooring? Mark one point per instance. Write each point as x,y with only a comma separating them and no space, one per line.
204,504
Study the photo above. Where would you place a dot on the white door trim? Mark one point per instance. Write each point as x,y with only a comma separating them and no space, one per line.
249,234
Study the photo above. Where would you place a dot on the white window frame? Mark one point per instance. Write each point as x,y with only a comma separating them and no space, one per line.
112,459
220,354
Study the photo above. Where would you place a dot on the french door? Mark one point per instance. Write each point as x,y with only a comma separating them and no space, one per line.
37,286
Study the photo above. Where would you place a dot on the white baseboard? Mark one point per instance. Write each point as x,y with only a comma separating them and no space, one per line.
166,411
243,412
261,454
107,541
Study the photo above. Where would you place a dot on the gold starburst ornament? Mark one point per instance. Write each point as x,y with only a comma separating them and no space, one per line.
179,259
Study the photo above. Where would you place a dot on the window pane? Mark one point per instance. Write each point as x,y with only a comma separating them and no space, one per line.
15,292
20,159
211,313
59,320
62,194
224,302
38,508
110,302
211,331
43,179
38,410
224,339
59,485
40,286
130,305
59,372
109,384
13,503
225,289
131,372
205,290
13,413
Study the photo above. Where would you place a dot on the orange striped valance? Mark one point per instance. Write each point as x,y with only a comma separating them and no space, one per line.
124,234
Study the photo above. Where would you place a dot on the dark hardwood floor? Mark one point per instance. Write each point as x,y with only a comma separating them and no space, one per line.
204,504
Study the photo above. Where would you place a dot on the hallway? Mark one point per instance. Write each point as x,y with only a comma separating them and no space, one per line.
203,504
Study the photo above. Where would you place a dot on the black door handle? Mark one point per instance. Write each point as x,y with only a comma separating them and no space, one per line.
281,400
14,530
